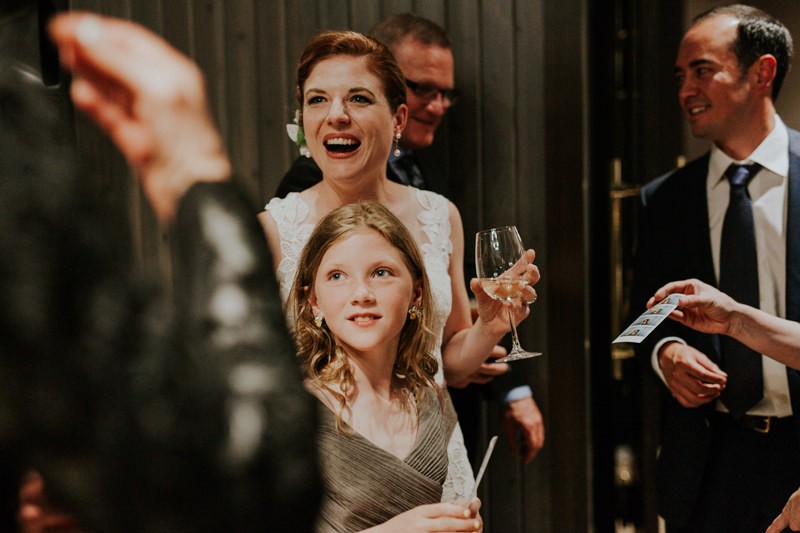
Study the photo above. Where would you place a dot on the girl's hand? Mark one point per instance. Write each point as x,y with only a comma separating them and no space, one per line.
435,517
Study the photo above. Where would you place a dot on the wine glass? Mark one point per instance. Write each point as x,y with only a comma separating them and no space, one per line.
501,266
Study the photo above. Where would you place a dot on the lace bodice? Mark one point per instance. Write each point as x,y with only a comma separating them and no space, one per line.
431,229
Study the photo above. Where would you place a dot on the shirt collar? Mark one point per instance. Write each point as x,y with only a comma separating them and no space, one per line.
772,154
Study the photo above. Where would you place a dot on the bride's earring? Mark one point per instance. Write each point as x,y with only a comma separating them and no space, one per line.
397,143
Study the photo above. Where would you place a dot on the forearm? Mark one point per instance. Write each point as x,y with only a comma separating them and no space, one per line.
773,336
467,350
166,185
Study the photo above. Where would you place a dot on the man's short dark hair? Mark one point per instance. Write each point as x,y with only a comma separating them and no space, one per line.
395,28
758,34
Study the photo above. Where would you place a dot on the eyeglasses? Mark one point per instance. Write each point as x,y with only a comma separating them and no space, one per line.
429,92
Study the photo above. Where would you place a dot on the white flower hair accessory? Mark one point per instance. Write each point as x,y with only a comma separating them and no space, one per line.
295,132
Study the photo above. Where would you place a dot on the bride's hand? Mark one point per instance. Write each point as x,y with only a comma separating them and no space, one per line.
493,312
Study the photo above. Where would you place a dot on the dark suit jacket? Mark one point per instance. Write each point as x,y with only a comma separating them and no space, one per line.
674,244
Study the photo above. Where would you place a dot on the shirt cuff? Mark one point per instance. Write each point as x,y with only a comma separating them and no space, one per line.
518,393
654,357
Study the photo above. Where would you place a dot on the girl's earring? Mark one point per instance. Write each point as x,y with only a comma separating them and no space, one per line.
318,321
397,143
413,312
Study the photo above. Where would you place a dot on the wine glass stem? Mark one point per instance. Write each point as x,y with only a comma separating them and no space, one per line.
515,346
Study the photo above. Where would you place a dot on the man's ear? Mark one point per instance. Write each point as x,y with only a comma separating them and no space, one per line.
766,67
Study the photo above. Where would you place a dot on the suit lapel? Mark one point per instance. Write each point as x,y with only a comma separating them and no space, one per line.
793,230
696,206
793,259
705,261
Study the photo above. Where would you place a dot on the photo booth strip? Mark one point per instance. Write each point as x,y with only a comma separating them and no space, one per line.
647,321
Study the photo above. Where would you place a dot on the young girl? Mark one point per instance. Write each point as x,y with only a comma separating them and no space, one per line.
361,307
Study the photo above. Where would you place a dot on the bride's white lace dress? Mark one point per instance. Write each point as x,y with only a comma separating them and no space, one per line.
291,216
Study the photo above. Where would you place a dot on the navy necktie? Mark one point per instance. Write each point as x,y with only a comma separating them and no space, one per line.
738,276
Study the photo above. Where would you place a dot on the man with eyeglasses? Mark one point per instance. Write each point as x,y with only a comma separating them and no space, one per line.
424,52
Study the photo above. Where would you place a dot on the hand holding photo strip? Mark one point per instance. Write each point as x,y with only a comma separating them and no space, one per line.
647,321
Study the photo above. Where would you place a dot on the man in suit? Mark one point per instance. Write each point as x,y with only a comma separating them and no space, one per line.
424,52
729,455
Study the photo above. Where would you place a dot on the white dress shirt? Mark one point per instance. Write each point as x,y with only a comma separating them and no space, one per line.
768,192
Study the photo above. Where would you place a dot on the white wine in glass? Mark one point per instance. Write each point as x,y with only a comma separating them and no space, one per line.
501,267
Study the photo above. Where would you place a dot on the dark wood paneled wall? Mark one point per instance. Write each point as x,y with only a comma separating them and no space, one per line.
516,152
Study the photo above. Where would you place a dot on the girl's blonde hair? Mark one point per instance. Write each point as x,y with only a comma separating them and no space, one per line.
322,361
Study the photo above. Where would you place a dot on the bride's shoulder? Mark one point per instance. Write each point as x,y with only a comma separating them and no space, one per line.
292,210
432,202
